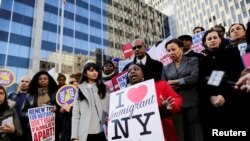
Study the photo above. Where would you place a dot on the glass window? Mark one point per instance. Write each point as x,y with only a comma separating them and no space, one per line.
3,46
6,4
4,36
81,11
96,3
236,4
24,52
4,25
19,8
18,62
13,49
28,11
26,31
52,37
21,72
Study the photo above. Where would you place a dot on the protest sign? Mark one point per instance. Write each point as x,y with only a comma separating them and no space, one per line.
66,94
122,64
127,50
42,123
7,77
197,42
134,114
119,81
160,53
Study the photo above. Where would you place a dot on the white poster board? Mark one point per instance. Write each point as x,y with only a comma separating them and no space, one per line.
134,114
160,53
42,123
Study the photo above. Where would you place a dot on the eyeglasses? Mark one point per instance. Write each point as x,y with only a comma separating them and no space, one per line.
138,47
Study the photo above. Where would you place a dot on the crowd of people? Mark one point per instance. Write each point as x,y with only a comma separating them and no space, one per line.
189,107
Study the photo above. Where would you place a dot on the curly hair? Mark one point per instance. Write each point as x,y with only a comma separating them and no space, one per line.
34,84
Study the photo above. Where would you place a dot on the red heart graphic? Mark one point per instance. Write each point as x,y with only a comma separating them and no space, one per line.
137,94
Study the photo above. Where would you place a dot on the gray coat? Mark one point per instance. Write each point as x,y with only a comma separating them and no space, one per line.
81,115
187,74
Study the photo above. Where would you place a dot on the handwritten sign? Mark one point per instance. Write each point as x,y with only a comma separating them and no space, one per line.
134,114
7,77
42,123
66,94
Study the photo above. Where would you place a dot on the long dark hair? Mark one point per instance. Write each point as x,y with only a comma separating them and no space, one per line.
4,106
34,83
100,85
205,36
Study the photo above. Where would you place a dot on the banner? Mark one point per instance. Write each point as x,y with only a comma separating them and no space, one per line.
7,78
160,53
66,95
127,50
134,114
120,80
42,123
122,64
197,42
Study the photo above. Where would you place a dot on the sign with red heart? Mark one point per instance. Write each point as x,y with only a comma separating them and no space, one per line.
134,114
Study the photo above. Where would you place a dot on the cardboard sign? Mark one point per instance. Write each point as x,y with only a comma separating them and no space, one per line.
66,94
197,42
215,78
7,77
134,114
127,50
160,53
122,64
120,80
42,123
242,48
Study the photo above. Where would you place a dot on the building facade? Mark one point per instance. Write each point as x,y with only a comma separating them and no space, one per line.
185,15
63,34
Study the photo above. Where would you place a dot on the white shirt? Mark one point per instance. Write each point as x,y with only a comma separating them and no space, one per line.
143,60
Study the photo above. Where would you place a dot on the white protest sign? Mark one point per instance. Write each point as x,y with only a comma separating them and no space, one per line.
122,64
160,53
134,114
197,42
42,123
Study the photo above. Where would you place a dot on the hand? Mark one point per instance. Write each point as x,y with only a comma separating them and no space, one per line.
218,100
174,83
107,120
53,109
168,103
8,128
243,83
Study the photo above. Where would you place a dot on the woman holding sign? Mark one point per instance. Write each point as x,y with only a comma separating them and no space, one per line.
168,100
42,92
91,107
10,128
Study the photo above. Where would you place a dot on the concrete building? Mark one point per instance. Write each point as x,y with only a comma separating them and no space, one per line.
185,15
42,34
